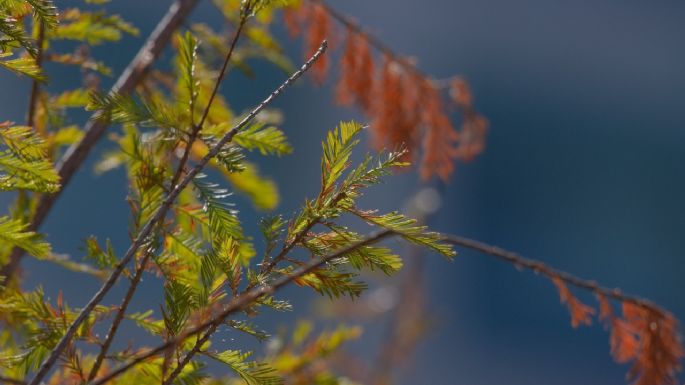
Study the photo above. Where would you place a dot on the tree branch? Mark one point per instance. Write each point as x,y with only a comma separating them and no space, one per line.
161,212
268,266
196,128
242,301
246,298
541,268
132,76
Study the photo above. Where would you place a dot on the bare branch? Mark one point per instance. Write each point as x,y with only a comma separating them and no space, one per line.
541,268
161,212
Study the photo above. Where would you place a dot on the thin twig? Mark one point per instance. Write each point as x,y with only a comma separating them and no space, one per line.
121,312
541,268
266,268
241,302
196,128
193,351
132,76
161,212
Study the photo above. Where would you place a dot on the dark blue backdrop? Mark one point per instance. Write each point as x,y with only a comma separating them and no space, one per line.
583,170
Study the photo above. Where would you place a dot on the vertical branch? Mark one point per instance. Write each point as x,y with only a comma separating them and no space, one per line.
132,76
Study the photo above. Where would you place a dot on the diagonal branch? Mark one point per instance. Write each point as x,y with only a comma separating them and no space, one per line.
94,129
161,212
550,272
241,302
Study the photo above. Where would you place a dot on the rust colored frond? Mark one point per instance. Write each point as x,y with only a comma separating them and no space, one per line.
474,126
345,94
319,30
605,311
580,312
623,341
440,140
390,126
293,18
660,349
404,105
356,83
365,76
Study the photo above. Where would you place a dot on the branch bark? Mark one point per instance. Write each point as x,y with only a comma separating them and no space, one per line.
132,76
161,212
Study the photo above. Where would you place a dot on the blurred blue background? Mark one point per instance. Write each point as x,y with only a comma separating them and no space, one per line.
583,170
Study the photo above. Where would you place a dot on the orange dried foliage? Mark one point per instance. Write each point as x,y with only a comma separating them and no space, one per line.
657,360
474,126
356,83
623,341
319,30
405,107
605,311
580,312
648,338
395,111
441,137
293,17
